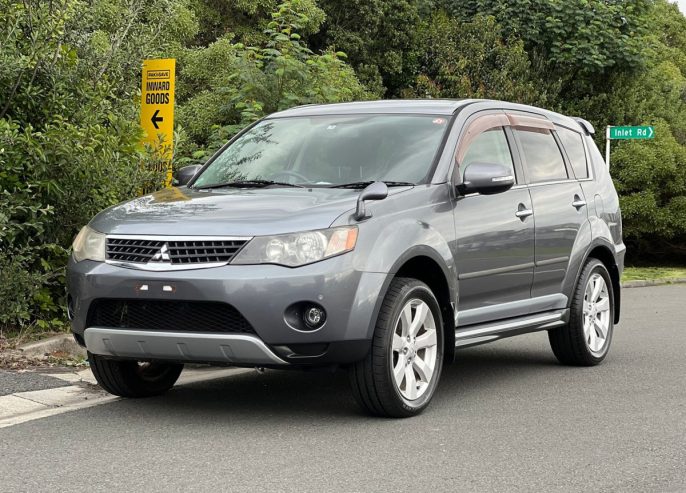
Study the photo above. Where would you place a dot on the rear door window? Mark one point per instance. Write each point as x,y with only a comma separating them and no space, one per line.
544,161
574,146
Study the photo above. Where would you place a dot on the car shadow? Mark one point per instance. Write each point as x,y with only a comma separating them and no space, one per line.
324,396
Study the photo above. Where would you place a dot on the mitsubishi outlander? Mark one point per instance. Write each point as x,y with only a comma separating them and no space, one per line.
377,237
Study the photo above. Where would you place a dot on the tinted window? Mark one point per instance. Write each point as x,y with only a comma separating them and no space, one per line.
574,145
544,161
489,147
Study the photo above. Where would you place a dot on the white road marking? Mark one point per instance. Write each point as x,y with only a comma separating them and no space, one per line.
36,404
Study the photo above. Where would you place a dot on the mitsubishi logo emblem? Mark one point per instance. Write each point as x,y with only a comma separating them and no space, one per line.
162,255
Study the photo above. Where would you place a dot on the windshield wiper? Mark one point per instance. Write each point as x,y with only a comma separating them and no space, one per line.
249,184
364,184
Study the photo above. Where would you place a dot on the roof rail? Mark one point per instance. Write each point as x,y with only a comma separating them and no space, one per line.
585,125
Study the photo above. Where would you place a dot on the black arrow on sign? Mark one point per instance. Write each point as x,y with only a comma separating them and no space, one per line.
156,119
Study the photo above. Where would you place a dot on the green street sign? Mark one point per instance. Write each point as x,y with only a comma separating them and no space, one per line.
626,133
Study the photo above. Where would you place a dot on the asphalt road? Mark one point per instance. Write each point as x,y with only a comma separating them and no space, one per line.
11,382
506,417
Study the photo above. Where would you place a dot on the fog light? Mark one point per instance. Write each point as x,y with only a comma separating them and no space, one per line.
314,316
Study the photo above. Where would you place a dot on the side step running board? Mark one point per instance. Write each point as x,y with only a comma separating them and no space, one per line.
482,333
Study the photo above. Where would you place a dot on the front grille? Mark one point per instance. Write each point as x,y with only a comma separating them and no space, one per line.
175,316
174,252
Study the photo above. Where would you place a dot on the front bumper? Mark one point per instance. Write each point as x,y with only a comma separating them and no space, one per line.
261,293
234,349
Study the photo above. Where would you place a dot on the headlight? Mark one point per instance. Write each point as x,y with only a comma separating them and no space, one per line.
297,249
89,245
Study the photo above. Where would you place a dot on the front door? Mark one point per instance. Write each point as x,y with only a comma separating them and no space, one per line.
495,233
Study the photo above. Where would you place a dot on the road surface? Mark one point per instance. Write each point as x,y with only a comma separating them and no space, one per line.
506,417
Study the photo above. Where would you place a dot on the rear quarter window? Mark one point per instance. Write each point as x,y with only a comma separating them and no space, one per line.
574,146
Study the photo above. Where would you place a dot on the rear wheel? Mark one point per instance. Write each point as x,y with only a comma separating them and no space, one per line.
585,340
127,378
399,375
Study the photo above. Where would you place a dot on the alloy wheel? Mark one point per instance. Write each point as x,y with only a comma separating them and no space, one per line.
596,313
414,349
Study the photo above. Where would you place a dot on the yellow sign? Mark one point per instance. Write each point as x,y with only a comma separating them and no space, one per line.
157,109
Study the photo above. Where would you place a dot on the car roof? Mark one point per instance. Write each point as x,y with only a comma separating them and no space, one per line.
420,107
400,106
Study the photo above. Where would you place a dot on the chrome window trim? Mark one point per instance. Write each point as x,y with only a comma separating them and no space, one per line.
553,182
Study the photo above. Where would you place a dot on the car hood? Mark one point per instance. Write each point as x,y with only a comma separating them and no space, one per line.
228,212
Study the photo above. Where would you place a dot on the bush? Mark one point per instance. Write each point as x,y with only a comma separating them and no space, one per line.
69,147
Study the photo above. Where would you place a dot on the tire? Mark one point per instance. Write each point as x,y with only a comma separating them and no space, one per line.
418,359
586,339
127,378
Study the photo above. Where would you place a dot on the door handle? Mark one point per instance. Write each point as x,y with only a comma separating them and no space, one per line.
522,212
578,202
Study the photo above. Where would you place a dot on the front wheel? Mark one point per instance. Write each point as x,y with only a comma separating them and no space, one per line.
127,378
399,375
585,340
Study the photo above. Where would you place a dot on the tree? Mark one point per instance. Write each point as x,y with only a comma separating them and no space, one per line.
245,20
569,36
651,175
379,37
243,83
472,60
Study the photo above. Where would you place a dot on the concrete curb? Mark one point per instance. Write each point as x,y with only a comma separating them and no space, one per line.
653,282
82,392
64,343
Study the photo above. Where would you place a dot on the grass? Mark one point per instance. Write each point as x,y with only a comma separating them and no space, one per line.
653,273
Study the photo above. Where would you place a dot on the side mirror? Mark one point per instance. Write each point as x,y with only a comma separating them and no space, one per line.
486,179
374,191
185,174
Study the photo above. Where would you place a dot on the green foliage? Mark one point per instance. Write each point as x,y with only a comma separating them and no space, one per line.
68,142
577,36
113,37
651,178
245,20
379,37
70,89
473,60
228,85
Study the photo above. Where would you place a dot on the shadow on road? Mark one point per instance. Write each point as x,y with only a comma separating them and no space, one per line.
325,396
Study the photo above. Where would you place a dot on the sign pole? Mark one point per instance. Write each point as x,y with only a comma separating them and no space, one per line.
607,146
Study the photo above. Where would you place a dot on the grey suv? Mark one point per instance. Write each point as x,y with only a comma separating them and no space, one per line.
375,236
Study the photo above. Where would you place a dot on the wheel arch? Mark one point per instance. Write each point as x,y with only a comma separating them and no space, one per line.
426,265
603,252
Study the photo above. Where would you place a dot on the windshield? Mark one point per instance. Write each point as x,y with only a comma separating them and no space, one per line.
330,151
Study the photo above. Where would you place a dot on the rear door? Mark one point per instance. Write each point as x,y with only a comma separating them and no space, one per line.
558,201
494,249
